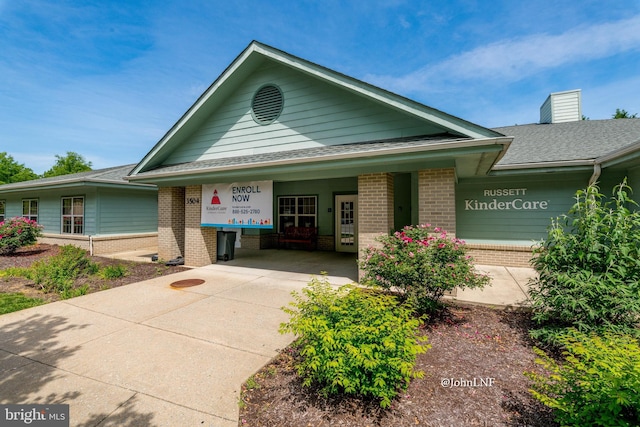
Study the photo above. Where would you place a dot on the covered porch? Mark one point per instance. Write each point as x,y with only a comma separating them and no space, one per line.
508,284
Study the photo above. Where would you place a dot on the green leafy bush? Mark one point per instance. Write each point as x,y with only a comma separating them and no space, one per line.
354,341
422,263
16,233
589,267
597,385
58,273
114,271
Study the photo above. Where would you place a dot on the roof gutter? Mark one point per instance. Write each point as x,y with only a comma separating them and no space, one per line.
504,141
543,165
618,155
32,185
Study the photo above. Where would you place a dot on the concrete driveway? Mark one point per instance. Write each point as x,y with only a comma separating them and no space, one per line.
148,354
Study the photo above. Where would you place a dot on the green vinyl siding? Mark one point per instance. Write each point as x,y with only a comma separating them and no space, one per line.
106,210
485,209
402,194
50,207
126,211
315,113
634,182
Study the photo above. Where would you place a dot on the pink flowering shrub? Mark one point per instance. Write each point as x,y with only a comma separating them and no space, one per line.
16,233
422,263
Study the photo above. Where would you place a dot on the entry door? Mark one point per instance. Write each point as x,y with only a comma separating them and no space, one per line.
347,223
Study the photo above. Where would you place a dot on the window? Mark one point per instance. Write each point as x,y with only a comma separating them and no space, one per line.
2,204
30,209
297,211
73,215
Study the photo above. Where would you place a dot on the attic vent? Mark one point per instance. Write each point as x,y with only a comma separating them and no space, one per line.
267,104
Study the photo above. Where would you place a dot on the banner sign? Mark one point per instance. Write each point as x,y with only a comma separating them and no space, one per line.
239,205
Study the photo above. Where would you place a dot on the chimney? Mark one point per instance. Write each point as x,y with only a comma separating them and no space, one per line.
562,107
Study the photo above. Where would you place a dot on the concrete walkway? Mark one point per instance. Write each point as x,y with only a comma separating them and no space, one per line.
147,354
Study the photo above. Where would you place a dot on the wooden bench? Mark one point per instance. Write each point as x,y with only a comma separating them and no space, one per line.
306,235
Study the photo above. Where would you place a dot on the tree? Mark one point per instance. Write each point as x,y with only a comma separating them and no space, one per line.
623,114
12,171
71,163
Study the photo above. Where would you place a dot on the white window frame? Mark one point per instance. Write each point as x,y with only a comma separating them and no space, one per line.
3,209
72,216
29,214
291,215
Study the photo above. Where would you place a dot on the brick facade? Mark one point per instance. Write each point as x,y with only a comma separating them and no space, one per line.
437,198
505,255
200,242
171,222
375,207
101,245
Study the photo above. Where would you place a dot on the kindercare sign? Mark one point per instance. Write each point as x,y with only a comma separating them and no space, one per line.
238,205
505,199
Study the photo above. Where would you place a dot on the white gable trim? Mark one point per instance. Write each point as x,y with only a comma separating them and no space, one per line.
364,89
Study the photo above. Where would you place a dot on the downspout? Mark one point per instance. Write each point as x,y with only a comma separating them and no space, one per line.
597,170
90,245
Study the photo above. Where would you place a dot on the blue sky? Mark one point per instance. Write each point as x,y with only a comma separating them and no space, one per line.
107,79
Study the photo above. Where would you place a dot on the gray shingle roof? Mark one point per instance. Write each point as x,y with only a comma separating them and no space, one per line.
113,175
307,153
582,140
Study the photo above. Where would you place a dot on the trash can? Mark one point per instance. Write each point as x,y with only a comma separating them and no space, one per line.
226,245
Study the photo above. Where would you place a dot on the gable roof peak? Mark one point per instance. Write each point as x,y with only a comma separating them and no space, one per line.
254,56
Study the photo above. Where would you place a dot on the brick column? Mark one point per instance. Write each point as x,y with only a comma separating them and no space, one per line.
170,222
437,198
200,242
375,207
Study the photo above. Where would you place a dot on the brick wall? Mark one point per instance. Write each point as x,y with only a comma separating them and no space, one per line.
504,255
250,242
62,239
326,243
108,244
375,207
437,198
200,242
171,211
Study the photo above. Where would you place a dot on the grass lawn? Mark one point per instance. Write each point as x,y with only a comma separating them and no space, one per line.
17,301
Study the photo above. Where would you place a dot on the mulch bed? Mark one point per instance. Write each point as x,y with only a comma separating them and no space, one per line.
24,257
488,346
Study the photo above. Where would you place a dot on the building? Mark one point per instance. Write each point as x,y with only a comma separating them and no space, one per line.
321,149
97,210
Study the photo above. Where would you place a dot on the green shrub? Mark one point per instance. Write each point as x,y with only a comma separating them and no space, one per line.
16,233
354,341
422,263
589,267
114,271
597,385
58,273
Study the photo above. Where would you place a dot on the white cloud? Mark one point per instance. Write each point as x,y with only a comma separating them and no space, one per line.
514,59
